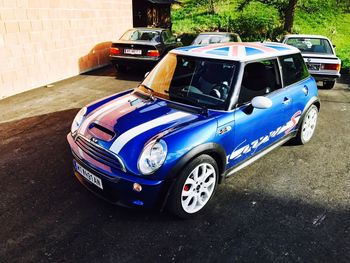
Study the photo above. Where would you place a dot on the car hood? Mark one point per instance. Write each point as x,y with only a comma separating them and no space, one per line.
124,125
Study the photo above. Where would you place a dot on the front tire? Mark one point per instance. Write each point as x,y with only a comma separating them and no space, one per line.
308,126
328,84
194,188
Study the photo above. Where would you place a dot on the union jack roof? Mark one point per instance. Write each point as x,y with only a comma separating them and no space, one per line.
240,51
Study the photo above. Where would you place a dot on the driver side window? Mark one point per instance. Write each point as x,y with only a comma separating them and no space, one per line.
259,79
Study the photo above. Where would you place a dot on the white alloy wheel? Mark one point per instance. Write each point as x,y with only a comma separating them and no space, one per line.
309,124
198,188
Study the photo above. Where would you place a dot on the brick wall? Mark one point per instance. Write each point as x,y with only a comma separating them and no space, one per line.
43,41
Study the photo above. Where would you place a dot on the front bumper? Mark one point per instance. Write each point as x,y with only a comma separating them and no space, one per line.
119,188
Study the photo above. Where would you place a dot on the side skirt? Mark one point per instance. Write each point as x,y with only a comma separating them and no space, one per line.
252,159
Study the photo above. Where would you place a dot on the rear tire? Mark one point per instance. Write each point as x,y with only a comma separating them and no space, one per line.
194,187
328,84
307,127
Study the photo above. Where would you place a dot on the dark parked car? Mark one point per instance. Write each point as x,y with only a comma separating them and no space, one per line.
206,38
142,46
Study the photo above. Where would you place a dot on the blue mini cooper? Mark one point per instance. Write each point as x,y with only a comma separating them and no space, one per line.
200,115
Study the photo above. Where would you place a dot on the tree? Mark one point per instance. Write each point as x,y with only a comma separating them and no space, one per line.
286,10
345,4
211,6
209,3
289,15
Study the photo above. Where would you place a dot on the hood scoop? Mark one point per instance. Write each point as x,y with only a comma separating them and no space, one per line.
101,132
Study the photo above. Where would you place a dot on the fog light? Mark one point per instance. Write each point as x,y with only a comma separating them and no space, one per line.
137,187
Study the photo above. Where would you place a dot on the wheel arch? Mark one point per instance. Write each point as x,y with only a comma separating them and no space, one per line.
214,150
313,101
317,103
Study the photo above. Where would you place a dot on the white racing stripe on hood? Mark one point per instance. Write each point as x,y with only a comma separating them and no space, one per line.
124,138
115,105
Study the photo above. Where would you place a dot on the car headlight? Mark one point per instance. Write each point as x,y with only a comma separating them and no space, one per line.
78,120
152,157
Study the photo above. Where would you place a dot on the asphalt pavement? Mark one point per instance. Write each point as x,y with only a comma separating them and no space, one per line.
293,205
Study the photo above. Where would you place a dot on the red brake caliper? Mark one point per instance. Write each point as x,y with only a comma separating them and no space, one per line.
186,187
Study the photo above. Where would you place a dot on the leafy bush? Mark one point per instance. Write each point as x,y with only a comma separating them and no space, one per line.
344,55
313,6
255,23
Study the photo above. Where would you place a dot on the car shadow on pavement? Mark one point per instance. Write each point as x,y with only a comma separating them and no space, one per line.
97,56
344,79
47,215
133,74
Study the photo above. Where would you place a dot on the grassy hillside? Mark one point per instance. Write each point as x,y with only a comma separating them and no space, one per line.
259,22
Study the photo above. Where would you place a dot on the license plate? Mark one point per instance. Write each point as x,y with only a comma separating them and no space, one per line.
133,51
313,66
88,176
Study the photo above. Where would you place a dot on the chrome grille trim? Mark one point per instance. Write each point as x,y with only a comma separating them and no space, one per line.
98,152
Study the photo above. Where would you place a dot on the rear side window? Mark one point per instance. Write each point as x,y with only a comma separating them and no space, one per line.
167,37
293,69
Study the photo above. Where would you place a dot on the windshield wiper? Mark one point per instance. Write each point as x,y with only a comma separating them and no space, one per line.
149,89
194,102
204,109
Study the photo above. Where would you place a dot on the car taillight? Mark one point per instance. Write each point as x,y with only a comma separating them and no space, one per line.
332,67
114,51
153,53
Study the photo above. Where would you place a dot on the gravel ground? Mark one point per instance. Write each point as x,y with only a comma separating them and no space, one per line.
293,205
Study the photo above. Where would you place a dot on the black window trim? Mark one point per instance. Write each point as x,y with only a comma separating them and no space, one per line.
282,75
235,94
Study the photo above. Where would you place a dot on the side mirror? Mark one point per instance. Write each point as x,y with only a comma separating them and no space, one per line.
146,74
261,102
334,46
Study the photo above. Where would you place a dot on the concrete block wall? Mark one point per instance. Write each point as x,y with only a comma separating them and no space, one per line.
43,41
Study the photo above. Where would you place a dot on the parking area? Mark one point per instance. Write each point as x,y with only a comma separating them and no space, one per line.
293,205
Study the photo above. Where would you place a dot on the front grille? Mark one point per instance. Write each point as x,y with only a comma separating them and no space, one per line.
98,153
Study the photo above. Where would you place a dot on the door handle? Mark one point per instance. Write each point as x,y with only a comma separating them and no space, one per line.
286,100
305,90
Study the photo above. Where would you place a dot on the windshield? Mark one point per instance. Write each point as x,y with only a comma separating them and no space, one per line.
142,35
211,39
192,80
311,45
